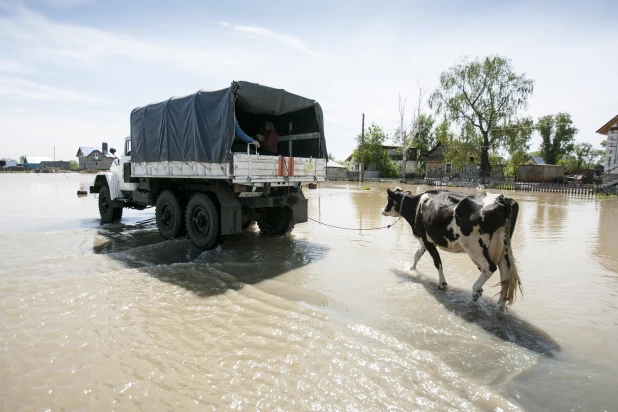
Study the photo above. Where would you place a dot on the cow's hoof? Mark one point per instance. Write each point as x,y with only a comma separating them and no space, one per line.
412,268
442,286
476,296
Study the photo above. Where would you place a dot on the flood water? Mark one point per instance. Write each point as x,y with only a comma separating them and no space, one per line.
115,318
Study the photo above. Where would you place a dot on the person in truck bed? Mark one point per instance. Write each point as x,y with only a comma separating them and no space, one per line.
244,137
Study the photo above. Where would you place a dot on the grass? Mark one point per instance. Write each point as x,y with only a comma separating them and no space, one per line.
366,188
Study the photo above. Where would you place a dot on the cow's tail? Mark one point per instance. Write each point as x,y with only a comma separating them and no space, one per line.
513,281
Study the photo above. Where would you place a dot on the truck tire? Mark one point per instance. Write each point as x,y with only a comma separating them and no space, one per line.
202,221
109,213
277,220
169,216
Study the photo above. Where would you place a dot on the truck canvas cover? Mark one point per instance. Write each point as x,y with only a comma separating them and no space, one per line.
200,127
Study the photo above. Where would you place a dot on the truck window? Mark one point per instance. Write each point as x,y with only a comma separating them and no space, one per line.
127,148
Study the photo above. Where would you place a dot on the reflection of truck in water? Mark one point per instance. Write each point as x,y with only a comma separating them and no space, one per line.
182,157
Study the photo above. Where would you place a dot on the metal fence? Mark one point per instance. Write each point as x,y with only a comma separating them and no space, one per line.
510,184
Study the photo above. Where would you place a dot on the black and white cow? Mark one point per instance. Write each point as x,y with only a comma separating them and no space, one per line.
479,224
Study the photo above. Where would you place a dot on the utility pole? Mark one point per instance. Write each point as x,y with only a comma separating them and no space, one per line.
54,153
362,173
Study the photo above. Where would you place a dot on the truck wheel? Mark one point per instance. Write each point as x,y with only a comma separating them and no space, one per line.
109,214
277,221
169,215
202,221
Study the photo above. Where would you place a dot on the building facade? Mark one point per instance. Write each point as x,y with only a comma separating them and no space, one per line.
91,158
610,165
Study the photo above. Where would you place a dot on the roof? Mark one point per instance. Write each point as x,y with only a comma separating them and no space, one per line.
85,151
35,160
336,165
537,159
605,128
435,153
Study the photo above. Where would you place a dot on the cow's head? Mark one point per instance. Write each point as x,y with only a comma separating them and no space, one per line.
393,202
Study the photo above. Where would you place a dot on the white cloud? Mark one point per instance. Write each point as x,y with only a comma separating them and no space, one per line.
24,89
12,66
262,32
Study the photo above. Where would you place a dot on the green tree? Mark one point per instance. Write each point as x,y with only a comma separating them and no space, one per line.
22,159
516,138
486,94
375,154
583,153
73,165
558,135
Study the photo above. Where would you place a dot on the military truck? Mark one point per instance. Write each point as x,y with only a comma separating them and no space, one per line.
183,158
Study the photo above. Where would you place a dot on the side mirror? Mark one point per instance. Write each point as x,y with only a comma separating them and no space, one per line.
112,151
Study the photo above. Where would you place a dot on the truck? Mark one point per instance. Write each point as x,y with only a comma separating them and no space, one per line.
182,157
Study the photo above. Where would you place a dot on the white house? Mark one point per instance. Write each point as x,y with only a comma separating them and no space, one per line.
610,129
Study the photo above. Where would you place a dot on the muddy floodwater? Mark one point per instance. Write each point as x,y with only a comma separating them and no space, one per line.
113,317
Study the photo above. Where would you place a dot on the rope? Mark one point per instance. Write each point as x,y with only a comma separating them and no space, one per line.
353,228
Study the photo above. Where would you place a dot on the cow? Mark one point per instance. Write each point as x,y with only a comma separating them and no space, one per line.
480,225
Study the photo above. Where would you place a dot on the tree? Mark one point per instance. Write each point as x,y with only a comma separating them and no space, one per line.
73,165
583,152
516,140
405,134
424,139
375,154
558,136
486,94
22,159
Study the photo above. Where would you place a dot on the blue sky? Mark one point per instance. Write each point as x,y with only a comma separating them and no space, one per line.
71,71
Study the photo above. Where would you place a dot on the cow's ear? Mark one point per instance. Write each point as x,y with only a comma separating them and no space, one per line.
389,192
398,189
408,192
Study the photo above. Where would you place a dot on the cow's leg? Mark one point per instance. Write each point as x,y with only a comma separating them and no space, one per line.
433,251
504,283
418,255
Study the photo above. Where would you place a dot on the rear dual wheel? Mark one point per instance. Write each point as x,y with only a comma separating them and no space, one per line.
202,222
277,220
169,215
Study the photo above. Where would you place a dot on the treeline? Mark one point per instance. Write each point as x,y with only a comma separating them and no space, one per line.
477,111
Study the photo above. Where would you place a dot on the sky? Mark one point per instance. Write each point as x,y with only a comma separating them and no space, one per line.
71,71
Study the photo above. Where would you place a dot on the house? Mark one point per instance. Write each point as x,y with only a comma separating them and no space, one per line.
437,166
610,129
34,162
540,173
94,158
396,154
535,160
336,171
8,163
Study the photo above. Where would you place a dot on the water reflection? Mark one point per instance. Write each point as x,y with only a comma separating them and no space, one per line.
248,258
607,240
484,313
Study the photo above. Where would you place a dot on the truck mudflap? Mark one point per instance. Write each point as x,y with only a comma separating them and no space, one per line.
231,214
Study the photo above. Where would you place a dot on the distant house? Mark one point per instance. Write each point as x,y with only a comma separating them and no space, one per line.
610,129
336,171
94,158
34,162
535,160
8,163
396,154
437,166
